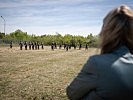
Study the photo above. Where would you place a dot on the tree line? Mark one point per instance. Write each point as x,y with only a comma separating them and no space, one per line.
19,35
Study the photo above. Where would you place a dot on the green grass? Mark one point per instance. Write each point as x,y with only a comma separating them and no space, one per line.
39,74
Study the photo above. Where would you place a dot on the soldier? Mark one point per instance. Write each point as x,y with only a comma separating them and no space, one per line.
80,46
11,44
55,45
67,46
35,45
30,45
38,45
42,45
21,45
25,45
60,46
74,46
86,46
52,46
64,45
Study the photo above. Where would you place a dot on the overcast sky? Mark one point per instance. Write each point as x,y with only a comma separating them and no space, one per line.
76,17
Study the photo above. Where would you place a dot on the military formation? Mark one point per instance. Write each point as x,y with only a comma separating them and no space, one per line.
67,46
31,45
37,45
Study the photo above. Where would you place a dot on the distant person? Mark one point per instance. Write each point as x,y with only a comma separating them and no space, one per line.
109,75
21,45
64,45
52,46
33,45
42,45
86,46
70,46
25,45
67,47
75,46
11,44
38,45
60,46
80,46
55,45
30,44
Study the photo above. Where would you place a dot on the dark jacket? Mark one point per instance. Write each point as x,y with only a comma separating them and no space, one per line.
104,77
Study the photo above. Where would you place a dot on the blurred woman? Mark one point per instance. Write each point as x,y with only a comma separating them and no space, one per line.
109,76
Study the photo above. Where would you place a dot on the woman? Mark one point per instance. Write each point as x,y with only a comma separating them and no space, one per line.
109,76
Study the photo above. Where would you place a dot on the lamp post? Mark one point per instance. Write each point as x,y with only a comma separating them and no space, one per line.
4,24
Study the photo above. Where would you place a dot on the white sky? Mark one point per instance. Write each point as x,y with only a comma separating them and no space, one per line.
39,17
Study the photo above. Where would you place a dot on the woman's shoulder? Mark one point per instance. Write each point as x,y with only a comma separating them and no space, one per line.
119,52
102,59
103,56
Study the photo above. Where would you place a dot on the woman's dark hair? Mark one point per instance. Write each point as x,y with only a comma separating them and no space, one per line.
117,30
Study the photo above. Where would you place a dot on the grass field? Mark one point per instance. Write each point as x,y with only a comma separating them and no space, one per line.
39,74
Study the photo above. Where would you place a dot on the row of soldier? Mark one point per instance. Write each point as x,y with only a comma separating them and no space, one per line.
36,45
32,45
68,46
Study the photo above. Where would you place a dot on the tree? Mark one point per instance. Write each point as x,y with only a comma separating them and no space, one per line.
2,35
67,38
19,35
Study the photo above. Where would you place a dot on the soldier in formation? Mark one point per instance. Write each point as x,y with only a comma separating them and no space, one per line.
42,45
52,46
30,44
21,45
11,44
25,45
86,46
80,46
